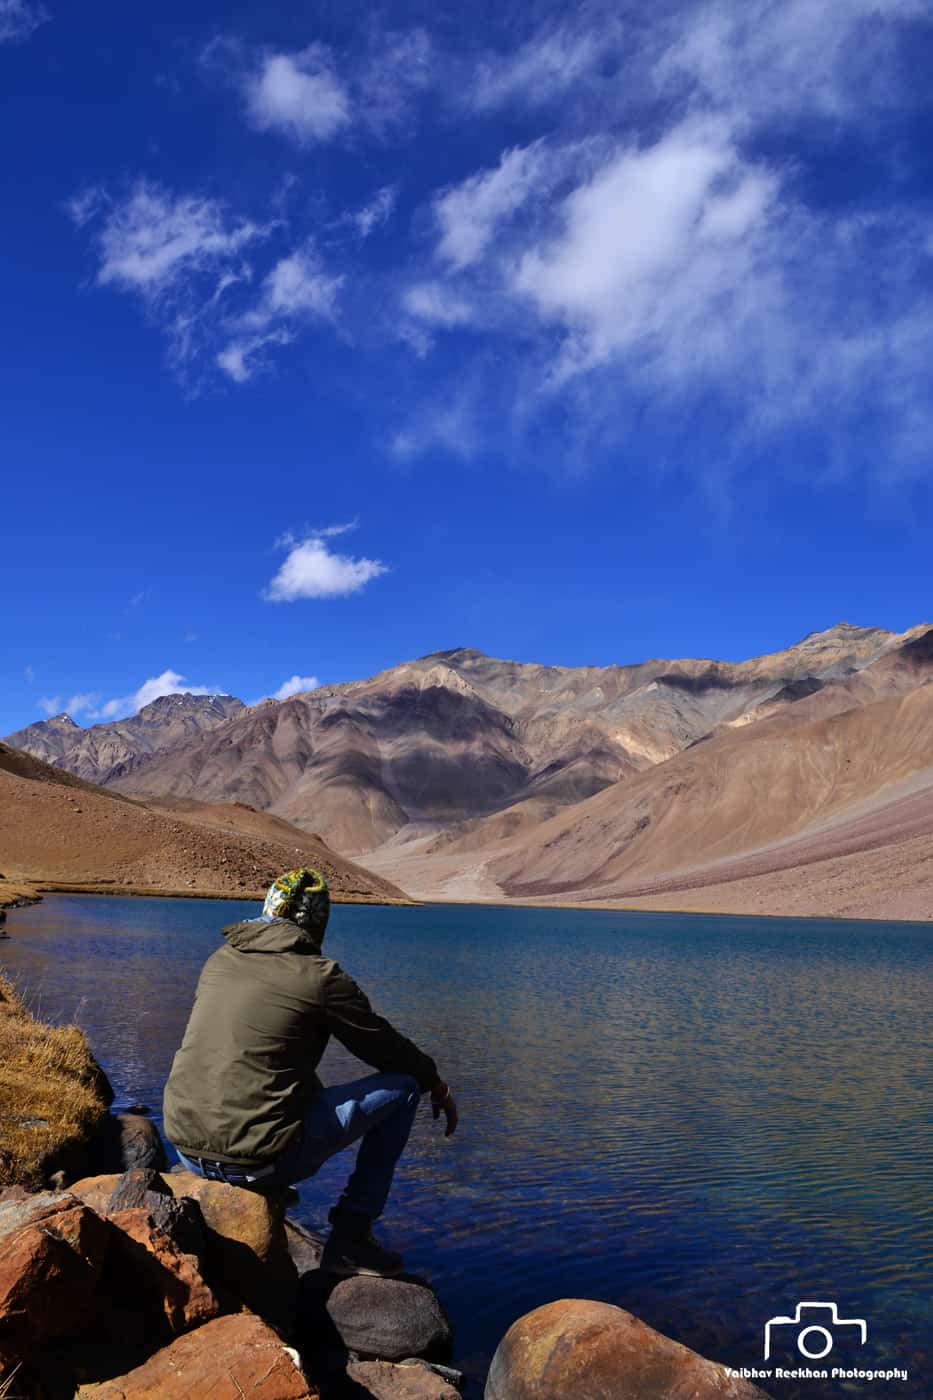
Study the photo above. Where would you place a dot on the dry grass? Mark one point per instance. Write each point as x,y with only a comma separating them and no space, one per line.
50,1093
6,1384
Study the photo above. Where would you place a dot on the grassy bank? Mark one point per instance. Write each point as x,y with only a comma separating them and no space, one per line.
14,893
52,1093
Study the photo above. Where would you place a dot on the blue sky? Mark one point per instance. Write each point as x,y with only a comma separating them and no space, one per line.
338,334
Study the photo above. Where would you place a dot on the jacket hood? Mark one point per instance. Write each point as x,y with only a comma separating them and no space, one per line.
271,936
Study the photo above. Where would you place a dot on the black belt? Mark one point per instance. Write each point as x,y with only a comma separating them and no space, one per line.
226,1171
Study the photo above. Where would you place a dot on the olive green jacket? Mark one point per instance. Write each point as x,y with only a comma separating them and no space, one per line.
265,1007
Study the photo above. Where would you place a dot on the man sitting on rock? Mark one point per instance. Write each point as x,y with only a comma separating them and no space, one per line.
243,1103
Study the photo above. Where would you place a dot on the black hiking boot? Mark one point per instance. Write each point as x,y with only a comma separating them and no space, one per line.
351,1248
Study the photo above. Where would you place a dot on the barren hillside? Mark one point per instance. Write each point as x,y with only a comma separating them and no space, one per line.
58,831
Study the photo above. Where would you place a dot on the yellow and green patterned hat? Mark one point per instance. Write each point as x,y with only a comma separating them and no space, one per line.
299,895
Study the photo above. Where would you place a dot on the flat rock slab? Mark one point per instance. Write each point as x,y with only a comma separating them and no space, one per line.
593,1351
228,1359
384,1380
384,1318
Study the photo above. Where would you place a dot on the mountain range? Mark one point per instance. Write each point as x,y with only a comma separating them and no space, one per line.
671,783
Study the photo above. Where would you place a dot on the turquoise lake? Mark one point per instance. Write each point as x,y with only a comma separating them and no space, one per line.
703,1120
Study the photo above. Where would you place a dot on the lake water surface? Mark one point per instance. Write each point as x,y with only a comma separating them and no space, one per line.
703,1120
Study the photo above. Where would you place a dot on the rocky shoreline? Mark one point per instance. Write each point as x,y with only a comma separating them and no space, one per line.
150,1285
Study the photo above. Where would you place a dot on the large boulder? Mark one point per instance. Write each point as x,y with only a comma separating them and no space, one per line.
246,1252
226,1359
52,1253
592,1351
384,1380
385,1318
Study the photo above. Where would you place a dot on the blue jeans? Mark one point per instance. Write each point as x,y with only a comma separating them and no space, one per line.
380,1109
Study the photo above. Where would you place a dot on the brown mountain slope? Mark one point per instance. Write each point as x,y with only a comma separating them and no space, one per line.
458,736
58,831
811,811
739,793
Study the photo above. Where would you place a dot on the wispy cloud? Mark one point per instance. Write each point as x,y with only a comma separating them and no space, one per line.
295,685
436,304
20,18
543,68
296,289
154,241
658,248
29,673
73,705
469,214
376,211
311,569
789,57
192,263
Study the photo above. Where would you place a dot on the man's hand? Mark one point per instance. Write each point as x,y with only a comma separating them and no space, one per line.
442,1101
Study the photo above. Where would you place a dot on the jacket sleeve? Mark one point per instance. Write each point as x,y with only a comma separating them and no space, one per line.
369,1037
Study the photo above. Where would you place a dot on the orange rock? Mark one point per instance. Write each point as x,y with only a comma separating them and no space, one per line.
247,1251
227,1359
171,1279
386,1380
52,1251
592,1351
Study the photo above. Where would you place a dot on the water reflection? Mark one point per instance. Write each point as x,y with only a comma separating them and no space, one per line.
700,1120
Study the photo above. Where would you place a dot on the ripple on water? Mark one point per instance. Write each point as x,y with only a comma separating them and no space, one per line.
700,1120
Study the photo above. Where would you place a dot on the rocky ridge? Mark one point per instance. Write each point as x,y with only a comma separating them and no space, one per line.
687,783
104,751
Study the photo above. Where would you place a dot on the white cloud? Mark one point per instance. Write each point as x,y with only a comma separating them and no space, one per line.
296,289
298,95
29,673
436,304
312,570
295,686
541,69
788,56
658,250
469,214
192,264
377,211
20,18
73,705
168,683
86,205
298,286
288,538
243,357
153,240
